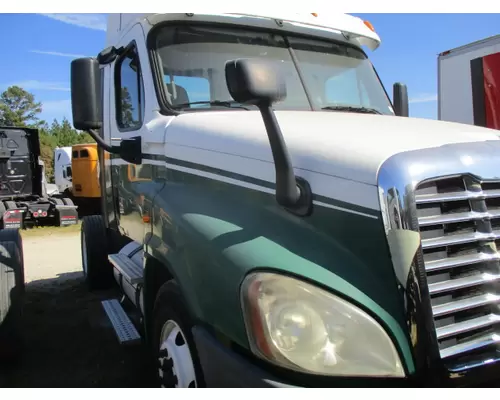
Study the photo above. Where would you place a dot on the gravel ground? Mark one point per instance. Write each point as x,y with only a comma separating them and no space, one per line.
69,340
52,256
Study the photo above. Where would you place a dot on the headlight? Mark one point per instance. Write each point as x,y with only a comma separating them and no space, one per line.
299,326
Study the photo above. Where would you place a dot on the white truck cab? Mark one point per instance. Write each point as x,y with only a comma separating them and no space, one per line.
272,219
62,169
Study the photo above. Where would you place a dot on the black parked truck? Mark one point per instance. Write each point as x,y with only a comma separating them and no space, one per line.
23,195
23,201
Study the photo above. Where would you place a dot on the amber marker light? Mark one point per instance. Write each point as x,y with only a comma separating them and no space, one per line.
369,25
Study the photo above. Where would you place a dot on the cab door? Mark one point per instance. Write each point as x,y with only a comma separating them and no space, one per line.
128,118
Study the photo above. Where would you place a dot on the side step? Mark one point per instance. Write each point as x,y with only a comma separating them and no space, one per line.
131,272
124,328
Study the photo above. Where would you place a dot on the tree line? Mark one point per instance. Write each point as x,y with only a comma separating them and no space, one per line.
19,108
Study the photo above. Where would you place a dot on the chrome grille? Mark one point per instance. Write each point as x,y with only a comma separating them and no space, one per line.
459,222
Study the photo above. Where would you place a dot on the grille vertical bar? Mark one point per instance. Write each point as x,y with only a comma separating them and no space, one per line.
459,222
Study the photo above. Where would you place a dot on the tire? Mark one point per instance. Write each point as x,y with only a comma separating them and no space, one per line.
97,269
68,202
58,201
14,235
2,212
170,310
11,302
10,205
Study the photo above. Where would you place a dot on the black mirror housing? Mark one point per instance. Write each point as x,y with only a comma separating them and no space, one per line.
260,83
400,100
254,81
86,100
86,104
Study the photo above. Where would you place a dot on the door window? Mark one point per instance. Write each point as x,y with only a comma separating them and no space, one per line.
129,91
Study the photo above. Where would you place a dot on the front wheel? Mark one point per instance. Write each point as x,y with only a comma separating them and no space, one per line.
177,361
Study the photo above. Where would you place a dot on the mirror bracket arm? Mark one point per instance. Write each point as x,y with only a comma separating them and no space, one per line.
129,150
110,149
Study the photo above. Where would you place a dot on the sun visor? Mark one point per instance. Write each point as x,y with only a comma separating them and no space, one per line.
353,29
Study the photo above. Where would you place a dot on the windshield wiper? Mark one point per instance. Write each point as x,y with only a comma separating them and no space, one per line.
364,110
217,103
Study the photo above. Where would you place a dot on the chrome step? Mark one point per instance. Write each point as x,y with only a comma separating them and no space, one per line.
130,271
122,325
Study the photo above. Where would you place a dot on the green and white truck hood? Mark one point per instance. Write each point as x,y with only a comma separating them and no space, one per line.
339,153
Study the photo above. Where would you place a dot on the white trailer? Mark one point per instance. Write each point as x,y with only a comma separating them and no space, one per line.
466,83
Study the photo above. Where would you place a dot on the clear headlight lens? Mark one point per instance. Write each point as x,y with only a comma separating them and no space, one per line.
299,326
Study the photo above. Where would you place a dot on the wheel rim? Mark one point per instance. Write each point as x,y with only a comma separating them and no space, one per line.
84,254
176,366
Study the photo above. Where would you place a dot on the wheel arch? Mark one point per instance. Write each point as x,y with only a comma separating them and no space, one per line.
156,274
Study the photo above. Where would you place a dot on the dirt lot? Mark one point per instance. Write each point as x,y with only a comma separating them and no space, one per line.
69,341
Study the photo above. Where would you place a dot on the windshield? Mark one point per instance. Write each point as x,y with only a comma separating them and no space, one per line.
320,75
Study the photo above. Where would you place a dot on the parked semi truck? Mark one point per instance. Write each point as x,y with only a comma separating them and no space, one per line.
292,226
86,191
63,171
76,171
468,83
24,197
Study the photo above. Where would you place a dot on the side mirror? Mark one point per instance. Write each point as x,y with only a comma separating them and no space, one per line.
258,82
86,94
86,104
253,81
400,100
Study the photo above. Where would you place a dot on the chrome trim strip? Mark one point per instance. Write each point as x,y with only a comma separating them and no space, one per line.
467,347
458,196
465,304
457,217
455,262
461,238
462,283
464,367
467,326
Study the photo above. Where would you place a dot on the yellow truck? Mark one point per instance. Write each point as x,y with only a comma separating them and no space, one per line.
85,165
82,178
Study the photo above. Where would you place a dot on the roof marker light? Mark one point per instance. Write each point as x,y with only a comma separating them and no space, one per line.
369,25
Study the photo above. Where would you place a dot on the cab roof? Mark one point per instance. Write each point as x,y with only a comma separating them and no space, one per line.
84,146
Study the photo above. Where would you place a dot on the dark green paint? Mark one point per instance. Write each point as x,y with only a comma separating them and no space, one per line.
213,234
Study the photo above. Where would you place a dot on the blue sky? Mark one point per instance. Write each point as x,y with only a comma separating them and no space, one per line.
38,49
